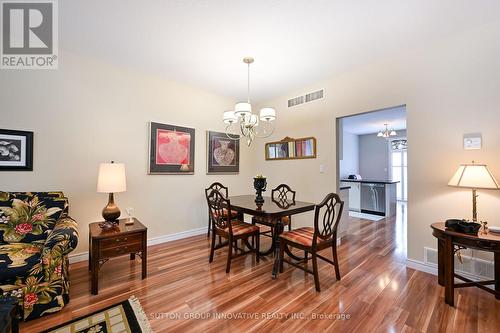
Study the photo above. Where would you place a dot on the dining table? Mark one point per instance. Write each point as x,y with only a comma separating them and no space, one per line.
272,210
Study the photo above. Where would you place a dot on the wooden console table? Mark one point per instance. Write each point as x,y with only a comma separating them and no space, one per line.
448,243
106,244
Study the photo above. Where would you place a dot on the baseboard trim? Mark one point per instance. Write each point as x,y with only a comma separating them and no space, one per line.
432,269
84,256
422,266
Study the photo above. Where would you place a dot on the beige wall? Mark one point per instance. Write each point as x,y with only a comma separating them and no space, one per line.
88,112
449,88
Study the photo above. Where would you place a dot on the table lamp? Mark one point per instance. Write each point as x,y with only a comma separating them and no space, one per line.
111,180
474,176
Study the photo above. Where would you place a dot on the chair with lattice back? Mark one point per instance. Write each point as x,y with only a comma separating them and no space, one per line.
225,192
226,226
312,240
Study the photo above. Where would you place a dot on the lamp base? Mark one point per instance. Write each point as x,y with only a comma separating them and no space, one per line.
111,212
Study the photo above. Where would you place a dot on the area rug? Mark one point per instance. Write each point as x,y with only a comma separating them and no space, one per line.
125,317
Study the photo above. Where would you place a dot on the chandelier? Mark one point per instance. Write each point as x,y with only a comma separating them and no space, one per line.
386,133
243,123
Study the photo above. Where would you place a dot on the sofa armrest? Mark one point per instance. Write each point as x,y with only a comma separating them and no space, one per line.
64,236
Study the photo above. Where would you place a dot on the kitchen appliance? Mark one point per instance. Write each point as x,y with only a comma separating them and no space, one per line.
354,177
373,198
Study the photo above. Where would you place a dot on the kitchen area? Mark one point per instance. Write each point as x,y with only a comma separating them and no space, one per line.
372,162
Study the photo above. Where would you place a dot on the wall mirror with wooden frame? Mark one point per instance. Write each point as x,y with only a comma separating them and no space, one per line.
291,149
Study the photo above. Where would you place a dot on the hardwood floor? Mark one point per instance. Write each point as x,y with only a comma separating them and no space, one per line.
377,292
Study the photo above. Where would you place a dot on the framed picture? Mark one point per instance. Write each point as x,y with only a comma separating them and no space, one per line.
171,149
16,150
223,154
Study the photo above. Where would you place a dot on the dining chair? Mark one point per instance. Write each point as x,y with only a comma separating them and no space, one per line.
225,226
283,196
312,240
225,192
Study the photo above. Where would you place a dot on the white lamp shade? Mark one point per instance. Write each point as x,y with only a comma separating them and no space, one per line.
111,178
393,133
267,114
230,117
380,134
476,176
242,108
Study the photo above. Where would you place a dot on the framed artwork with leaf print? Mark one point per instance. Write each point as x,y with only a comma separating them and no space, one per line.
223,154
16,150
171,149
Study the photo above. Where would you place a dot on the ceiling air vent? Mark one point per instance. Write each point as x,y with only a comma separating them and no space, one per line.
314,96
295,101
306,98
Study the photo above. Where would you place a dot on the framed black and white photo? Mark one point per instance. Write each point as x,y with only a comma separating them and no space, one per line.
16,150
223,154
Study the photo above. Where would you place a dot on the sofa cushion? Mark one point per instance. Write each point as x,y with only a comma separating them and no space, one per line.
19,260
29,219
56,195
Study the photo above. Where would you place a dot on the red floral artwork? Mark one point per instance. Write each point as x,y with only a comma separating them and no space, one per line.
172,148
23,228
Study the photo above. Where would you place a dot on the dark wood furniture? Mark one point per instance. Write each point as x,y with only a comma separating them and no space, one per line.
448,243
10,314
312,240
271,210
223,190
124,239
283,195
225,226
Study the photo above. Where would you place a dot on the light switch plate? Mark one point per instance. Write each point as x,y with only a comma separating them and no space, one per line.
321,168
472,141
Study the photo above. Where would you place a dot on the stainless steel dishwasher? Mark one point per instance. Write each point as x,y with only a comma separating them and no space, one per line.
373,198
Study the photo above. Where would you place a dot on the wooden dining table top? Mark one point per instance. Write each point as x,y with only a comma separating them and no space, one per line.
270,208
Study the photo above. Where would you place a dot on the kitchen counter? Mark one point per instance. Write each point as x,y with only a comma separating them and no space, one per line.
370,181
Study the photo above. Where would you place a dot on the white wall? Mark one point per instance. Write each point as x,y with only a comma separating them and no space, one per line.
349,164
449,88
89,112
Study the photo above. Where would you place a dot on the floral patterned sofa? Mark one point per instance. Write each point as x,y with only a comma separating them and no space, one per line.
36,236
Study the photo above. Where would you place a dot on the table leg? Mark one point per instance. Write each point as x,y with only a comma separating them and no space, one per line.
95,277
497,274
90,252
449,269
278,229
132,256
144,257
440,262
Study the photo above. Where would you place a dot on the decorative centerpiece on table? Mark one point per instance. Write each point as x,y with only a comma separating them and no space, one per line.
260,184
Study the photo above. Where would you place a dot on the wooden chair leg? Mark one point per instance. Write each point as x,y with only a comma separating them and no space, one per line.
282,254
229,254
290,225
257,246
315,271
336,261
212,248
209,227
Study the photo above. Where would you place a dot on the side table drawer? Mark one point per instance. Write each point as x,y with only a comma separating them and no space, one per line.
121,240
120,250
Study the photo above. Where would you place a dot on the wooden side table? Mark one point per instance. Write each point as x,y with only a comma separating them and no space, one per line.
448,243
106,244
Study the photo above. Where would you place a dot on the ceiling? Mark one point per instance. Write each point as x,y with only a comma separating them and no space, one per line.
372,122
294,43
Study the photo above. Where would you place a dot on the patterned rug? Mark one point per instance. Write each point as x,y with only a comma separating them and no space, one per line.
125,317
